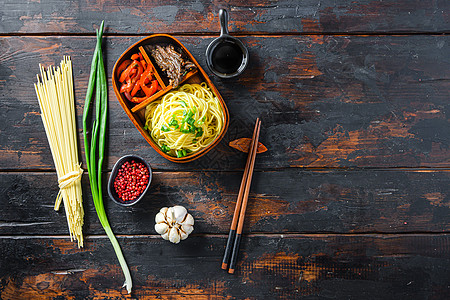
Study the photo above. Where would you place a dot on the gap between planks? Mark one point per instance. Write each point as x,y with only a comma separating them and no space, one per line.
224,236
237,34
311,169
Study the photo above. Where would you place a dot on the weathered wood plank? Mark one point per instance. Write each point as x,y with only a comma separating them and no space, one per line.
201,16
281,201
325,266
330,101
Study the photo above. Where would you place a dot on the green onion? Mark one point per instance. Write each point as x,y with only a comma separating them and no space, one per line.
173,123
97,77
190,121
181,153
165,148
183,103
165,128
199,132
202,121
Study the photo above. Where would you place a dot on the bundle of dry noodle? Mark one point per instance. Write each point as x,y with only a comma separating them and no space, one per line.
54,90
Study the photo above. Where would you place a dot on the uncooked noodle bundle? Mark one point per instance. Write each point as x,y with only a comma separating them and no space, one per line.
186,120
54,91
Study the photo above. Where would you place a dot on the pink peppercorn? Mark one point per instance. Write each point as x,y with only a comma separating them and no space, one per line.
131,180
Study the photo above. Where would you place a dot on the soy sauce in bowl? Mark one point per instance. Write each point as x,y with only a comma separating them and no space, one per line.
227,57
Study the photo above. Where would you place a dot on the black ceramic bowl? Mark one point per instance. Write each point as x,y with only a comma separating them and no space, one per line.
226,56
112,192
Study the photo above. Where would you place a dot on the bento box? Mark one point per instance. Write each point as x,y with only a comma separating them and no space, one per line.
146,59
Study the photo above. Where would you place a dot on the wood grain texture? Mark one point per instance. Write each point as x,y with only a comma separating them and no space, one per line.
75,16
275,267
327,101
351,200
288,201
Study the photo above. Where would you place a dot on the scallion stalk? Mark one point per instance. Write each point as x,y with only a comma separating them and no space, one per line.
97,78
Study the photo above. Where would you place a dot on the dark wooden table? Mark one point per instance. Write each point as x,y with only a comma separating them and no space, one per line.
351,201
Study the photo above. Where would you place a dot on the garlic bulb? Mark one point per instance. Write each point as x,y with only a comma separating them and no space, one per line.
174,223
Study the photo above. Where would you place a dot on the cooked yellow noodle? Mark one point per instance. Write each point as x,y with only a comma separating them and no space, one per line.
54,91
206,110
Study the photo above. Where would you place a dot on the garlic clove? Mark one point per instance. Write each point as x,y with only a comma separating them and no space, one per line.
188,221
161,228
179,213
170,216
174,235
183,235
165,235
160,218
187,228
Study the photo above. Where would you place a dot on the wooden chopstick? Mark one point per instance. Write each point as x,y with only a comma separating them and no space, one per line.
237,209
237,239
248,183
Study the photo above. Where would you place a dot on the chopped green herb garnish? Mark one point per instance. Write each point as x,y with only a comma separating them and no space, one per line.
165,148
187,116
173,123
201,122
199,133
183,103
180,153
145,127
190,121
184,119
165,128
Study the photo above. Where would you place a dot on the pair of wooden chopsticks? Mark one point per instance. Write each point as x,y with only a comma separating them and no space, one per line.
234,237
